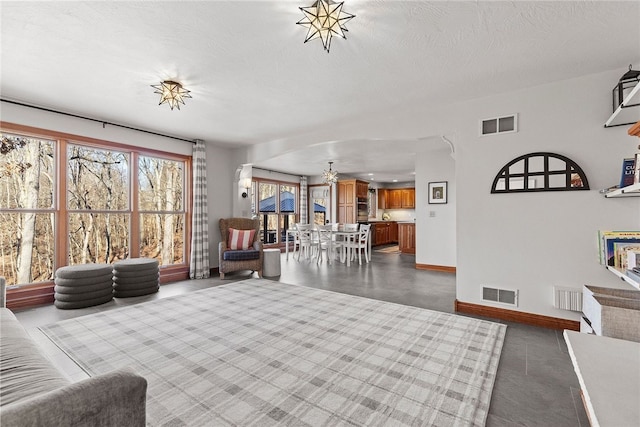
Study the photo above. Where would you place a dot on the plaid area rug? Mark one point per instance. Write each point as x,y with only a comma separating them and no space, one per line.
264,353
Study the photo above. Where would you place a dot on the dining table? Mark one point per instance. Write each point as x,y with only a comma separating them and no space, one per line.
337,234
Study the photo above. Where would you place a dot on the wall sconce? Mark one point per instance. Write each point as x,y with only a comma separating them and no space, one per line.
246,184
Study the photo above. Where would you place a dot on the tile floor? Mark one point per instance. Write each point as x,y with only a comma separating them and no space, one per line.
535,385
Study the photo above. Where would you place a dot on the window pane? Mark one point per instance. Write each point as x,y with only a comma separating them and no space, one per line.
27,245
286,222
268,228
267,197
161,184
98,237
97,179
287,198
162,237
26,173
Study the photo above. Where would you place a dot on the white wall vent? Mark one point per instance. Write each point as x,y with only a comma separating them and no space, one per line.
567,298
492,126
503,296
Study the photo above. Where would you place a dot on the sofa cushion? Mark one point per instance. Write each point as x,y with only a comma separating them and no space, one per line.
241,255
240,239
24,370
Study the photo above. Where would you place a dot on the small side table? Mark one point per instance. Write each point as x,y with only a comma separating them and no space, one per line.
271,262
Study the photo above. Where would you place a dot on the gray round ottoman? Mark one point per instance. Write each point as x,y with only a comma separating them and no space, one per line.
83,285
134,277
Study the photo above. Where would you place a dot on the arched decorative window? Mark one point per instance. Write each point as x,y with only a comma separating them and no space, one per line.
540,172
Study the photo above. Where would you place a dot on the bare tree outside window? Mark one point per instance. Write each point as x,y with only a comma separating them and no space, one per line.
161,205
98,205
27,215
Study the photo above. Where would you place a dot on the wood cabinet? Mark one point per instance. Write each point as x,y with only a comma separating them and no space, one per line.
352,201
384,232
397,198
407,238
362,190
381,236
382,198
393,232
408,198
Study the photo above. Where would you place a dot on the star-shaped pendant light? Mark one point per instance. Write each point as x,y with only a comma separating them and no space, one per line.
325,19
329,176
171,93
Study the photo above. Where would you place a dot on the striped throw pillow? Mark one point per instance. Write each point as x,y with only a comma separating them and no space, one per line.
240,239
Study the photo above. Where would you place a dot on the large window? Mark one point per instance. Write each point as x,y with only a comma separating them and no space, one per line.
74,202
277,209
27,215
161,204
98,209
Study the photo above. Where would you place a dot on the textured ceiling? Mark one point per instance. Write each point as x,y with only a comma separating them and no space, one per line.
254,81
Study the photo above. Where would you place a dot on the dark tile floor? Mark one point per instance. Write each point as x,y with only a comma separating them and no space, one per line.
535,385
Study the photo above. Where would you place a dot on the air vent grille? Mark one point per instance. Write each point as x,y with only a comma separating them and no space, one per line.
503,296
567,298
493,126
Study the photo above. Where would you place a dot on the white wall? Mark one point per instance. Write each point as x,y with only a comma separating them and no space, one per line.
219,160
436,223
533,241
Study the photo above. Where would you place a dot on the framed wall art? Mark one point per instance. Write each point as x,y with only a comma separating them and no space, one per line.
437,192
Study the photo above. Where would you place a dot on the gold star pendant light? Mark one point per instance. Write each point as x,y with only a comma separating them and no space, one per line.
325,19
171,93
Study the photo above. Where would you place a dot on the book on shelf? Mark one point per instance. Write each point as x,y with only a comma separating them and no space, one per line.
633,259
620,252
606,241
636,177
628,172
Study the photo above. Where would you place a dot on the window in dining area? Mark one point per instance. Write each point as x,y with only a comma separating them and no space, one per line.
277,209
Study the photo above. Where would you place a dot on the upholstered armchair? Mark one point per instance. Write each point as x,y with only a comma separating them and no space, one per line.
239,248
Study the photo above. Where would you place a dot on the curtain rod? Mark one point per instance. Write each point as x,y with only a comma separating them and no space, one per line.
272,171
104,123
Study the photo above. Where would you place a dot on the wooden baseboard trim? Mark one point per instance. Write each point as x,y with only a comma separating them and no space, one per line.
443,268
516,316
30,296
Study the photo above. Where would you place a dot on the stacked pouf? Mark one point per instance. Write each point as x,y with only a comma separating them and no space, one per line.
135,276
83,285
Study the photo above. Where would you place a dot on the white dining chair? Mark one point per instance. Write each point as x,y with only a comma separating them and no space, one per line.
307,239
359,243
327,242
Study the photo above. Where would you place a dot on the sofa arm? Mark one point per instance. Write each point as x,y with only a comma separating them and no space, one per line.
114,399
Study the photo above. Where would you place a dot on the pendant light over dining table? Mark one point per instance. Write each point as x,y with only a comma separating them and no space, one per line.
329,176
325,19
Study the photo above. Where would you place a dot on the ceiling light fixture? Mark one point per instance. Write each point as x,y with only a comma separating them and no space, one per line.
171,93
324,19
329,176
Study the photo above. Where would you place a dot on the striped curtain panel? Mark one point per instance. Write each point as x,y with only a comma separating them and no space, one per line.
199,265
303,200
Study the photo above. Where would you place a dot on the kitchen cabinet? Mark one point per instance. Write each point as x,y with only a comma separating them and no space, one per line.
408,198
393,232
362,189
407,237
384,232
382,198
397,198
352,201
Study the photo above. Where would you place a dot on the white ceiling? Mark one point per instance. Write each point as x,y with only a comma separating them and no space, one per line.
253,80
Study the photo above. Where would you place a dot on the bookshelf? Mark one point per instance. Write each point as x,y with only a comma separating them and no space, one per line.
624,276
628,191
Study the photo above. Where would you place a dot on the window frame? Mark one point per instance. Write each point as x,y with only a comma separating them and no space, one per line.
42,292
255,194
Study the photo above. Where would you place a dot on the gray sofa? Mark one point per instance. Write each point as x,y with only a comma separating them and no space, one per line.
34,393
